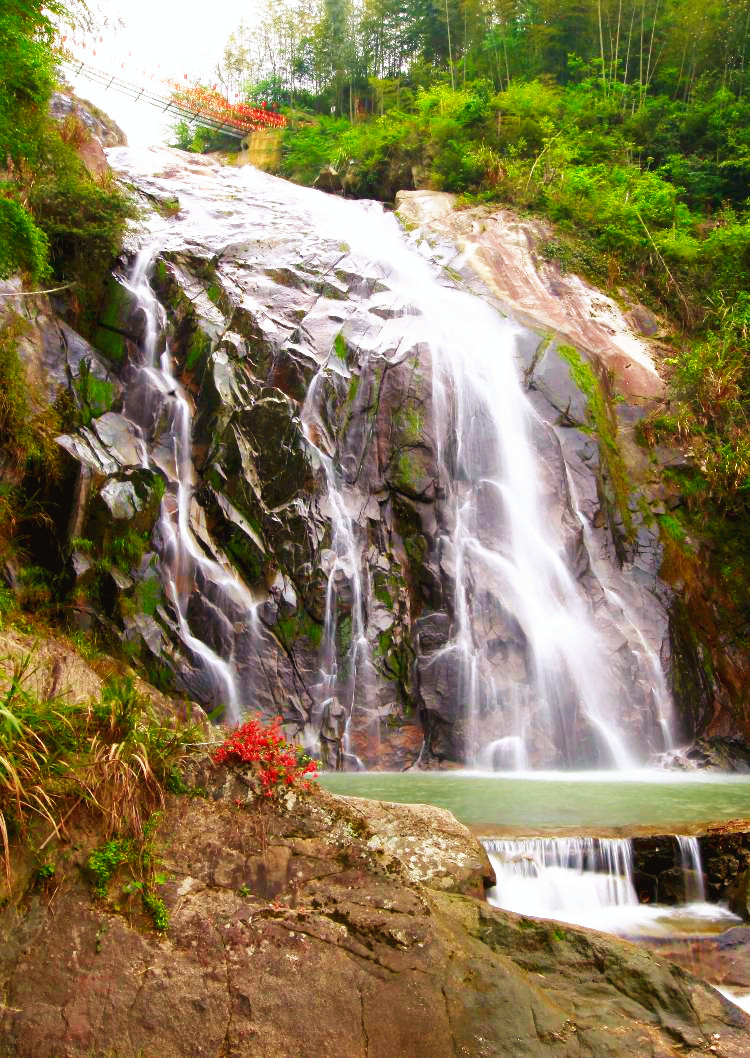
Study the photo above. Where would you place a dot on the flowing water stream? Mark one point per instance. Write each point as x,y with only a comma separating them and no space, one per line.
158,405
590,882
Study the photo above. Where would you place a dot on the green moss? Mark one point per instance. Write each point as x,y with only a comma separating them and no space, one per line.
345,635
380,588
408,471
148,595
413,425
582,374
339,347
245,555
126,548
297,626
672,528
199,347
96,395
416,548
353,389
109,337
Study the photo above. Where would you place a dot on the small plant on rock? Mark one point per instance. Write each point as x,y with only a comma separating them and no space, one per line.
280,765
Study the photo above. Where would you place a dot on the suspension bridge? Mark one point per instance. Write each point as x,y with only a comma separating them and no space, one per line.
205,106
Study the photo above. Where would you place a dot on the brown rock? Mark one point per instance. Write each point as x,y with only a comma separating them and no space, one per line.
293,935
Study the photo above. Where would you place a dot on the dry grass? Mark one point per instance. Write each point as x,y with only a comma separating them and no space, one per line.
113,755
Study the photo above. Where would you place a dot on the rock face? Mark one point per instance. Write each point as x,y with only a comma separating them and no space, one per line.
372,611
296,933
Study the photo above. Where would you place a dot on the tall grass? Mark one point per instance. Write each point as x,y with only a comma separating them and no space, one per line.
114,755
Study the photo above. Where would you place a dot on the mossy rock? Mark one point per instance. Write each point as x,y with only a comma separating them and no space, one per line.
114,327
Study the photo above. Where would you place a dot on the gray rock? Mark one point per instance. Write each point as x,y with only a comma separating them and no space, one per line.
121,499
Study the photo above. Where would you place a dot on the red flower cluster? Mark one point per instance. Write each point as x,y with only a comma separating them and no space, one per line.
210,102
281,765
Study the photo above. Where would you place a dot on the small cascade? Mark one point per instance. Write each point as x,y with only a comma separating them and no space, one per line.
562,878
157,404
346,675
589,881
692,871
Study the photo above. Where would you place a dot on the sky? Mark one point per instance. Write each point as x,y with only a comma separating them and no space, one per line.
166,38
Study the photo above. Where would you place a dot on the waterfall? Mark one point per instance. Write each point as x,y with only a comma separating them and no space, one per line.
562,878
692,870
590,881
154,397
512,627
346,680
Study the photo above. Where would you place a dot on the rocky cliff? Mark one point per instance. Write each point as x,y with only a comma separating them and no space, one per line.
287,518
328,482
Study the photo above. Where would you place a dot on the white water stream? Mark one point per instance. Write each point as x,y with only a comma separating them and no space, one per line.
154,395
590,882
550,672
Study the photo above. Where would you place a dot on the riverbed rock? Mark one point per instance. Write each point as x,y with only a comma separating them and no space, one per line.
722,959
292,934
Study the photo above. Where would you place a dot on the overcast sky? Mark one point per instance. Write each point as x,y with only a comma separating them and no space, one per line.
165,37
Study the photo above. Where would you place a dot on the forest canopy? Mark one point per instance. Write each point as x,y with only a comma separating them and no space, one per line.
334,50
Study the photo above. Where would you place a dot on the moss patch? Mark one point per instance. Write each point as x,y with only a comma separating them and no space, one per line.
605,426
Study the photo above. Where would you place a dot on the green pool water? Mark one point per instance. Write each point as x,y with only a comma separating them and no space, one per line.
583,801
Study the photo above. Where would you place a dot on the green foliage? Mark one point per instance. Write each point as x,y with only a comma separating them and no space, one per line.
116,755
192,136
23,246
82,220
157,909
126,548
26,434
104,862
309,147
55,219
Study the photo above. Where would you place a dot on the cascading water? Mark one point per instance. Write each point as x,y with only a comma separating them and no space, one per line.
590,882
157,404
345,669
690,861
511,627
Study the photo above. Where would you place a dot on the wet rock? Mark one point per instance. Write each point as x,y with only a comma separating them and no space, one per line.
121,498
723,960
551,376
724,754
329,180
739,895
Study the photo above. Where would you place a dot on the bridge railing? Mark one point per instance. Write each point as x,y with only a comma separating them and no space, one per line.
178,102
